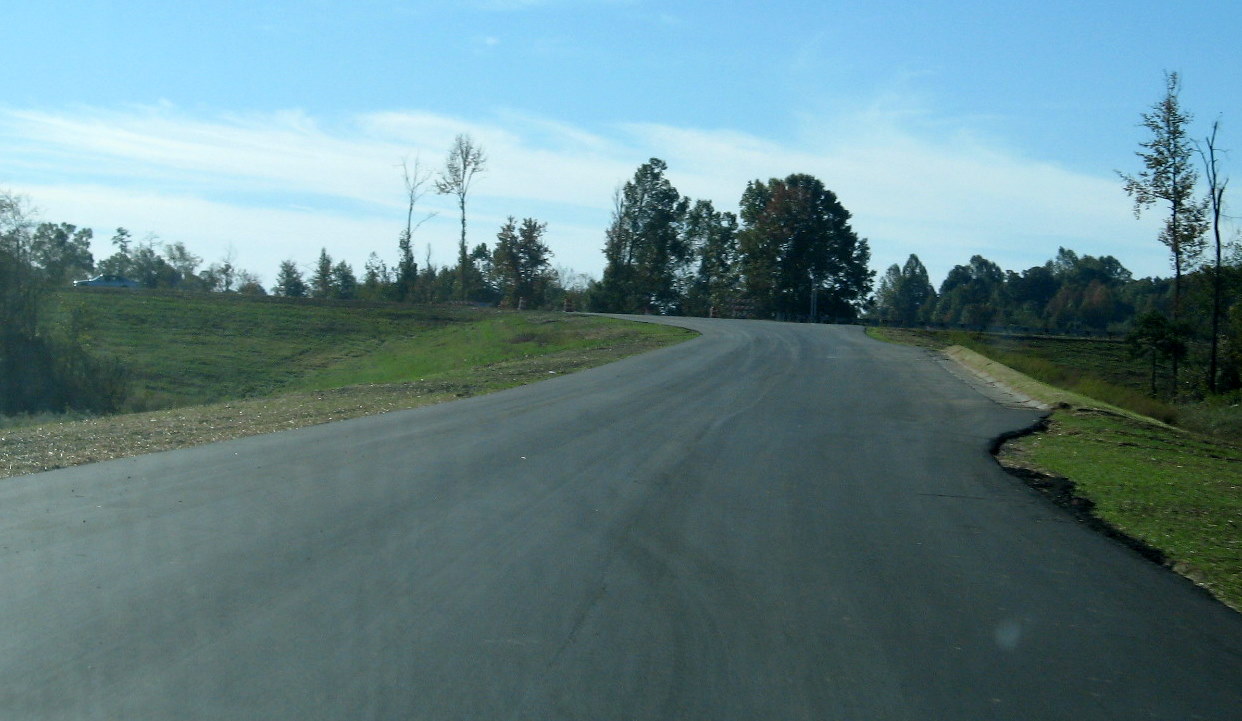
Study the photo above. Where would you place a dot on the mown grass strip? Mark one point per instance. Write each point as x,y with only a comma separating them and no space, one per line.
1174,492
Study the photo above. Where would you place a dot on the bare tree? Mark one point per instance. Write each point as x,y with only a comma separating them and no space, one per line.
1216,199
465,161
416,180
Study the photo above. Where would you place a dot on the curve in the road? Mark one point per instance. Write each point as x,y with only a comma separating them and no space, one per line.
771,521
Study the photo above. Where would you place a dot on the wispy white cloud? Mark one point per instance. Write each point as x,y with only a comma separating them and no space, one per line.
284,151
281,185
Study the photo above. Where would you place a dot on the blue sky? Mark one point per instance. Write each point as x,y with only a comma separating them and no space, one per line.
270,130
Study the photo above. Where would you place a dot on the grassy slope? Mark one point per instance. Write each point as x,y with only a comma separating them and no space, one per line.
1174,491
1107,360
185,349
1106,369
489,339
270,365
189,349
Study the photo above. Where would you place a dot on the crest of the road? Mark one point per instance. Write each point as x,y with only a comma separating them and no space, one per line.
771,521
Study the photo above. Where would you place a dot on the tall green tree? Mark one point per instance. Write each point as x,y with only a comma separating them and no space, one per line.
972,294
521,263
416,180
465,161
644,248
1087,291
148,267
221,276
120,261
321,281
915,295
478,275
905,294
1169,176
289,281
377,279
249,283
886,294
43,367
407,269
186,264
799,255
711,236
62,252
344,282
1156,337
1029,293
19,282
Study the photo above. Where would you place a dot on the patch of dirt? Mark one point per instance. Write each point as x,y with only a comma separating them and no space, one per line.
31,449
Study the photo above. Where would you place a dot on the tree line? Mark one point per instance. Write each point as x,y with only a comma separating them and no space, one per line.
1069,293
514,272
789,253
1079,294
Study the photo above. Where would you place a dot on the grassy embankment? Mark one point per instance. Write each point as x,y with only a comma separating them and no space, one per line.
1176,492
207,367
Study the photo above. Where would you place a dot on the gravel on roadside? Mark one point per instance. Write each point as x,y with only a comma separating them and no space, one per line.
60,444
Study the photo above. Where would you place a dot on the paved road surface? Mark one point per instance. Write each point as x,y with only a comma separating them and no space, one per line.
769,522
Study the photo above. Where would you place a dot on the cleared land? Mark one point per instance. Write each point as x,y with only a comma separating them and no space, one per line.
223,366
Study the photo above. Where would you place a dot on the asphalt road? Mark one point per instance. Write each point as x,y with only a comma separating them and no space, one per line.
769,522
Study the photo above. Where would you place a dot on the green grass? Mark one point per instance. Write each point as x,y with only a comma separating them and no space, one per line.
1175,492
187,349
491,338
1080,380
1096,368
1220,417
274,365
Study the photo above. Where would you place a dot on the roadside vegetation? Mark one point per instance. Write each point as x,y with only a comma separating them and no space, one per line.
204,367
1173,494
190,348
